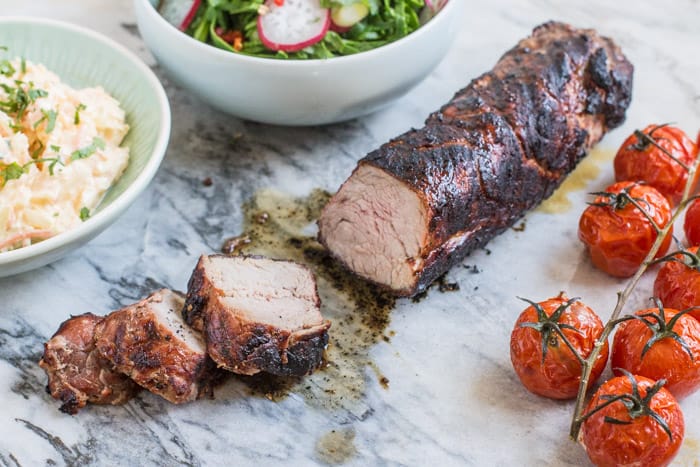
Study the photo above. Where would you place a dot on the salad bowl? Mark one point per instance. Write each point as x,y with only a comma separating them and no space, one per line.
298,92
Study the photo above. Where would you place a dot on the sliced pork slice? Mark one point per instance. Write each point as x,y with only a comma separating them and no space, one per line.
258,314
150,342
78,374
421,202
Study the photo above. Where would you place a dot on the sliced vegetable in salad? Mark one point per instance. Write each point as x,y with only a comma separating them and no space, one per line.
298,29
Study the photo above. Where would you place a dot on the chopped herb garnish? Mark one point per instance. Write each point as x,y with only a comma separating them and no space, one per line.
4,48
15,171
39,149
50,117
84,214
34,94
76,117
23,65
19,98
55,148
39,122
53,161
97,143
11,172
6,68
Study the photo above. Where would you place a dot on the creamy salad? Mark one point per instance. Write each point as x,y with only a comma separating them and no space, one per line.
59,152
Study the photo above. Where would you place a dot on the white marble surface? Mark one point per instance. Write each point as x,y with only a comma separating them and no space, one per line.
453,398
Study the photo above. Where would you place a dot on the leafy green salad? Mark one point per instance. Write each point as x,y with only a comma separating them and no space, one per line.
298,29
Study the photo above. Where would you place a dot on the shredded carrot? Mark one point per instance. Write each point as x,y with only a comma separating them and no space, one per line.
238,40
32,234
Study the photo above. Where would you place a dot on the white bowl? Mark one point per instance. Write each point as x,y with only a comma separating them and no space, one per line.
298,92
83,58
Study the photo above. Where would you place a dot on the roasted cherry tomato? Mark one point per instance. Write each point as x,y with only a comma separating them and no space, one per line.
691,224
541,357
616,227
660,343
632,420
678,282
659,155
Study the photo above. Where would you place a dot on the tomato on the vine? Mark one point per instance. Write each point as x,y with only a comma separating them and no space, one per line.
632,420
659,155
548,343
691,223
660,343
617,229
677,283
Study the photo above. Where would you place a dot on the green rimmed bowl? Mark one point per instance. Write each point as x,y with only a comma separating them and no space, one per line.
84,58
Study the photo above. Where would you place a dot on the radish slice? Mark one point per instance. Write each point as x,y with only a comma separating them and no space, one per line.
435,5
179,13
347,16
340,30
431,8
293,25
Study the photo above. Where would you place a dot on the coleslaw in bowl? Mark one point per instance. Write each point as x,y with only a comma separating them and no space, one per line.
83,59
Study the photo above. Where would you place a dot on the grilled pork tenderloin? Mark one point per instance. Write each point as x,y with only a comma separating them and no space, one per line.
78,374
258,314
420,203
150,342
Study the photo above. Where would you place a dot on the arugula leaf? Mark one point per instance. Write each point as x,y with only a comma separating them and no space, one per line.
372,5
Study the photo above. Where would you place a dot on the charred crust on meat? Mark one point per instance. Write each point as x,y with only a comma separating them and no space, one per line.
78,373
238,341
143,360
70,403
265,349
502,145
143,343
195,303
598,69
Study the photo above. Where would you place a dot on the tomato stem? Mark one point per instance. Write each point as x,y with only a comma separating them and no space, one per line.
546,325
623,296
647,139
619,201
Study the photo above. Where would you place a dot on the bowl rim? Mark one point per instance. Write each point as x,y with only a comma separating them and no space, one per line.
450,7
103,217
